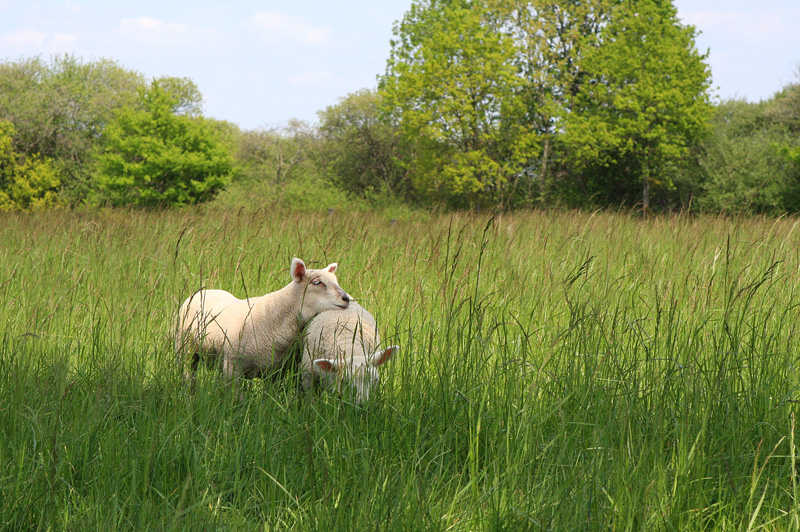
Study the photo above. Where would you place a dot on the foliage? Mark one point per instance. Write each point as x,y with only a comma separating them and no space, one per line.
60,110
306,192
784,109
187,99
276,167
26,181
484,103
276,154
452,86
645,102
552,39
359,149
558,371
153,156
610,93
315,194
744,161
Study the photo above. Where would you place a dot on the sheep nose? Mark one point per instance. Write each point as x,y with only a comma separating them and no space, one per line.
346,298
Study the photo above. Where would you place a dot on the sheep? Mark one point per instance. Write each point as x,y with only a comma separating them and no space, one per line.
340,347
249,337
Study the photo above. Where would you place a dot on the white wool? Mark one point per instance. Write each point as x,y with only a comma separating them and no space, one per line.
249,337
341,347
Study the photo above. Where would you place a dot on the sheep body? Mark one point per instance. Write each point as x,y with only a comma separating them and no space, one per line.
341,347
249,337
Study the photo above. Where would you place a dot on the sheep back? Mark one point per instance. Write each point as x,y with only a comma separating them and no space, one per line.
342,334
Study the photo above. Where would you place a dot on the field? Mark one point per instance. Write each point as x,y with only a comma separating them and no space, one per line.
558,371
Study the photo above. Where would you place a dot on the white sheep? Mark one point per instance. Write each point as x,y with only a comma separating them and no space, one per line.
249,337
341,349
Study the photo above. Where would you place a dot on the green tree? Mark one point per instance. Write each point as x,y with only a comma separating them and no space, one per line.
26,181
60,108
784,111
552,38
276,155
278,166
645,101
784,107
453,87
153,156
746,161
187,98
359,149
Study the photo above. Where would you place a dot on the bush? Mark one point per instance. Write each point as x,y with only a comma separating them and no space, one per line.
25,182
155,156
358,149
744,162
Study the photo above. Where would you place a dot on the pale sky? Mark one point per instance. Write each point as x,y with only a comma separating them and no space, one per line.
261,63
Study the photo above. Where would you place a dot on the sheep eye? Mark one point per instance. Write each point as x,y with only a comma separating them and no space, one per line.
316,282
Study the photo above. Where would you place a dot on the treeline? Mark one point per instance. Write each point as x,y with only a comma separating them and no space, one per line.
495,104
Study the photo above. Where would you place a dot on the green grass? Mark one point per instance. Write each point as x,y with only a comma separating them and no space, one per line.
558,371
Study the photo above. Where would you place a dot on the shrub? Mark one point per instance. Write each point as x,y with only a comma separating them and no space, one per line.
745,162
25,182
154,156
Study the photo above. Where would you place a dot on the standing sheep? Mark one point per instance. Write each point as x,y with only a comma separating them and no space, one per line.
341,347
248,337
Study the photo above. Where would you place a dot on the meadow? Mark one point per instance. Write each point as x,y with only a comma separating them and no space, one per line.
558,371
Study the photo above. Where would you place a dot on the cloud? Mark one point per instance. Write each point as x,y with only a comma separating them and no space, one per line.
279,27
23,39
155,32
33,42
64,41
749,25
309,78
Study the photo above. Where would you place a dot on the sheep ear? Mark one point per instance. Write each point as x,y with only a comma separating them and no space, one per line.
381,358
298,269
328,366
332,267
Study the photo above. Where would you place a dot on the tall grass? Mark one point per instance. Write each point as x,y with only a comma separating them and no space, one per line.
558,371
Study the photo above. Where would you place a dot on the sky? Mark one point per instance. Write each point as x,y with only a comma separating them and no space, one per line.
259,64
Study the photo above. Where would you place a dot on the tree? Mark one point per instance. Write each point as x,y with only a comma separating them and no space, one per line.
746,160
275,155
784,111
552,39
187,97
153,156
26,181
453,88
784,107
359,149
59,110
645,100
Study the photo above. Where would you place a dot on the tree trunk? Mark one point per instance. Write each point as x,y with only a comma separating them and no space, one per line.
646,187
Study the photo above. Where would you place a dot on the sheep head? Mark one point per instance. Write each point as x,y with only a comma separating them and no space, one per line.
321,290
361,375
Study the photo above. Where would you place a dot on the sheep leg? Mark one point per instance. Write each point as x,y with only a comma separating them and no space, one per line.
232,375
191,368
190,371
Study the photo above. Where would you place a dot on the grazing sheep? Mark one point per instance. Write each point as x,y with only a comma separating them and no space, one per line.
248,337
340,347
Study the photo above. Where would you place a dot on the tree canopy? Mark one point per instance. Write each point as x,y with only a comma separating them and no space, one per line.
153,156
454,89
26,180
484,103
644,100
358,149
491,91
